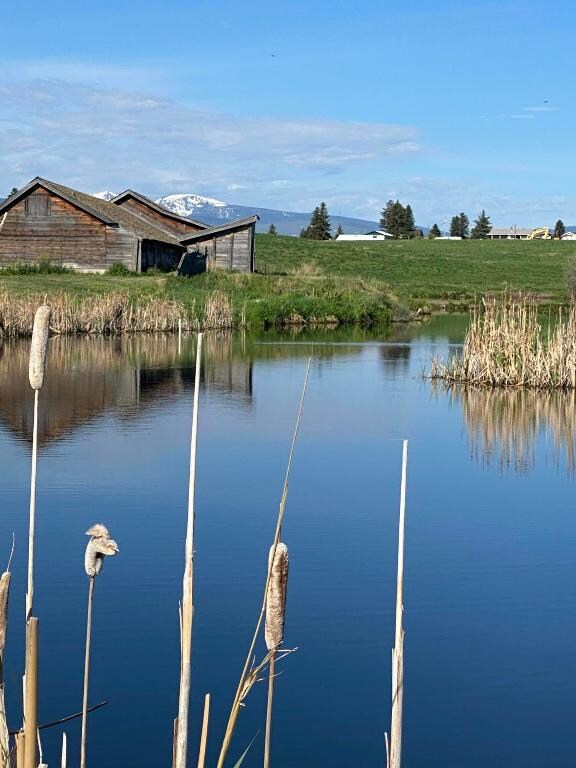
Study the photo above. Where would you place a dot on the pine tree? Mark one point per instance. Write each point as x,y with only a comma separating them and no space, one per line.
319,227
460,226
409,228
434,232
387,217
559,229
303,232
13,191
482,227
340,230
272,230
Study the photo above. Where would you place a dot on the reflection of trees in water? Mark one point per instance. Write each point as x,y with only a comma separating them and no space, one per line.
504,424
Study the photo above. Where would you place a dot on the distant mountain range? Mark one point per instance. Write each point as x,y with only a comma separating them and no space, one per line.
215,212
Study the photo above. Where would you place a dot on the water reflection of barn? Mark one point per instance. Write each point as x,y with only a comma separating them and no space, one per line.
90,377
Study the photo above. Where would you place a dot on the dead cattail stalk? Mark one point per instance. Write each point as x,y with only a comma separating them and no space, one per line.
99,546
398,651
4,737
249,671
274,627
31,699
188,583
64,755
37,365
20,749
204,733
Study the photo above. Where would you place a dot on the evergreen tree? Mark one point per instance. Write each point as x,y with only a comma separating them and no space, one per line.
303,232
455,227
387,216
272,230
559,229
340,230
409,229
319,227
434,232
482,227
460,226
13,191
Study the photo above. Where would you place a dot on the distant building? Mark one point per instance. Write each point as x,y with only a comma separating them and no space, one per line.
510,233
448,237
377,234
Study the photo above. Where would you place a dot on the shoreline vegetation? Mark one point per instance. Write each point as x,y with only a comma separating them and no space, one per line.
508,345
298,283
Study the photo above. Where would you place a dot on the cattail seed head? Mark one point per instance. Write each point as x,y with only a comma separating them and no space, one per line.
99,546
4,591
276,597
39,346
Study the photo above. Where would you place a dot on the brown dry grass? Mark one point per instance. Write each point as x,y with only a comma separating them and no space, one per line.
507,346
114,313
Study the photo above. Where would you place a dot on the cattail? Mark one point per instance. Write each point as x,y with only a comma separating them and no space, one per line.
276,598
98,547
4,738
39,346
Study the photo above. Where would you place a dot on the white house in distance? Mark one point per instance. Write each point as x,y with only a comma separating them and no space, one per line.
377,234
510,233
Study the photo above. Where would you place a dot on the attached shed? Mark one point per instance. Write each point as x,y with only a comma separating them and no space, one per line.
48,221
229,246
152,211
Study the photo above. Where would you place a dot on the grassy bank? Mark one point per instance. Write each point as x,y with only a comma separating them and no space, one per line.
106,303
425,270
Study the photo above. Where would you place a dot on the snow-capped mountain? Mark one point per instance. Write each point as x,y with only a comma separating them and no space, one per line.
104,195
187,205
216,212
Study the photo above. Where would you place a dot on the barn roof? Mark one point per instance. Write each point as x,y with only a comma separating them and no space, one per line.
113,215
222,228
155,207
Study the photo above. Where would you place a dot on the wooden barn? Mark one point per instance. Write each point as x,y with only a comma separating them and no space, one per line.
45,221
230,247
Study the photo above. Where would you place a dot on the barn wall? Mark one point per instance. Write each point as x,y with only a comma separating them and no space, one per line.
178,227
121,248
66,236
232,251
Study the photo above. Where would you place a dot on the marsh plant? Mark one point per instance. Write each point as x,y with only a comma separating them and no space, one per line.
507,345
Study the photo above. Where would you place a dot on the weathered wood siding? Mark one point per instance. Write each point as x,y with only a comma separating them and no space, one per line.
66,235
167,222
228,250
121,248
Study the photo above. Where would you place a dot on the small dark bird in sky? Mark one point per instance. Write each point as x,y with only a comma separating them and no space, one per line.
273,55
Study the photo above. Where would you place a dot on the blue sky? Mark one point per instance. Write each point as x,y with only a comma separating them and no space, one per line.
447,105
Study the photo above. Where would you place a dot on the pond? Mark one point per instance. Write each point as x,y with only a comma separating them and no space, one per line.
490,563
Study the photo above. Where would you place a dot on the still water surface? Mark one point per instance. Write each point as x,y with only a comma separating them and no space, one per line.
490,582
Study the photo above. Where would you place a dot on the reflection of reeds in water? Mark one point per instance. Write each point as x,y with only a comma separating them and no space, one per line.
505,424
506,346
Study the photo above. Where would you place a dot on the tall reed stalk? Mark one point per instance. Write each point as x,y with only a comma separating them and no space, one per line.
4,737
249,673
395,752
187,609
99,546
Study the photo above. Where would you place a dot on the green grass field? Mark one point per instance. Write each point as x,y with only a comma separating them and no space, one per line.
304,281
425,269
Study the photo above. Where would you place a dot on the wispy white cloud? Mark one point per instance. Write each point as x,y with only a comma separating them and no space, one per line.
100,137
542,108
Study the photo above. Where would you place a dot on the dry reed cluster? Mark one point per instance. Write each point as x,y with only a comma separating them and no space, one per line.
506,346
113,313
